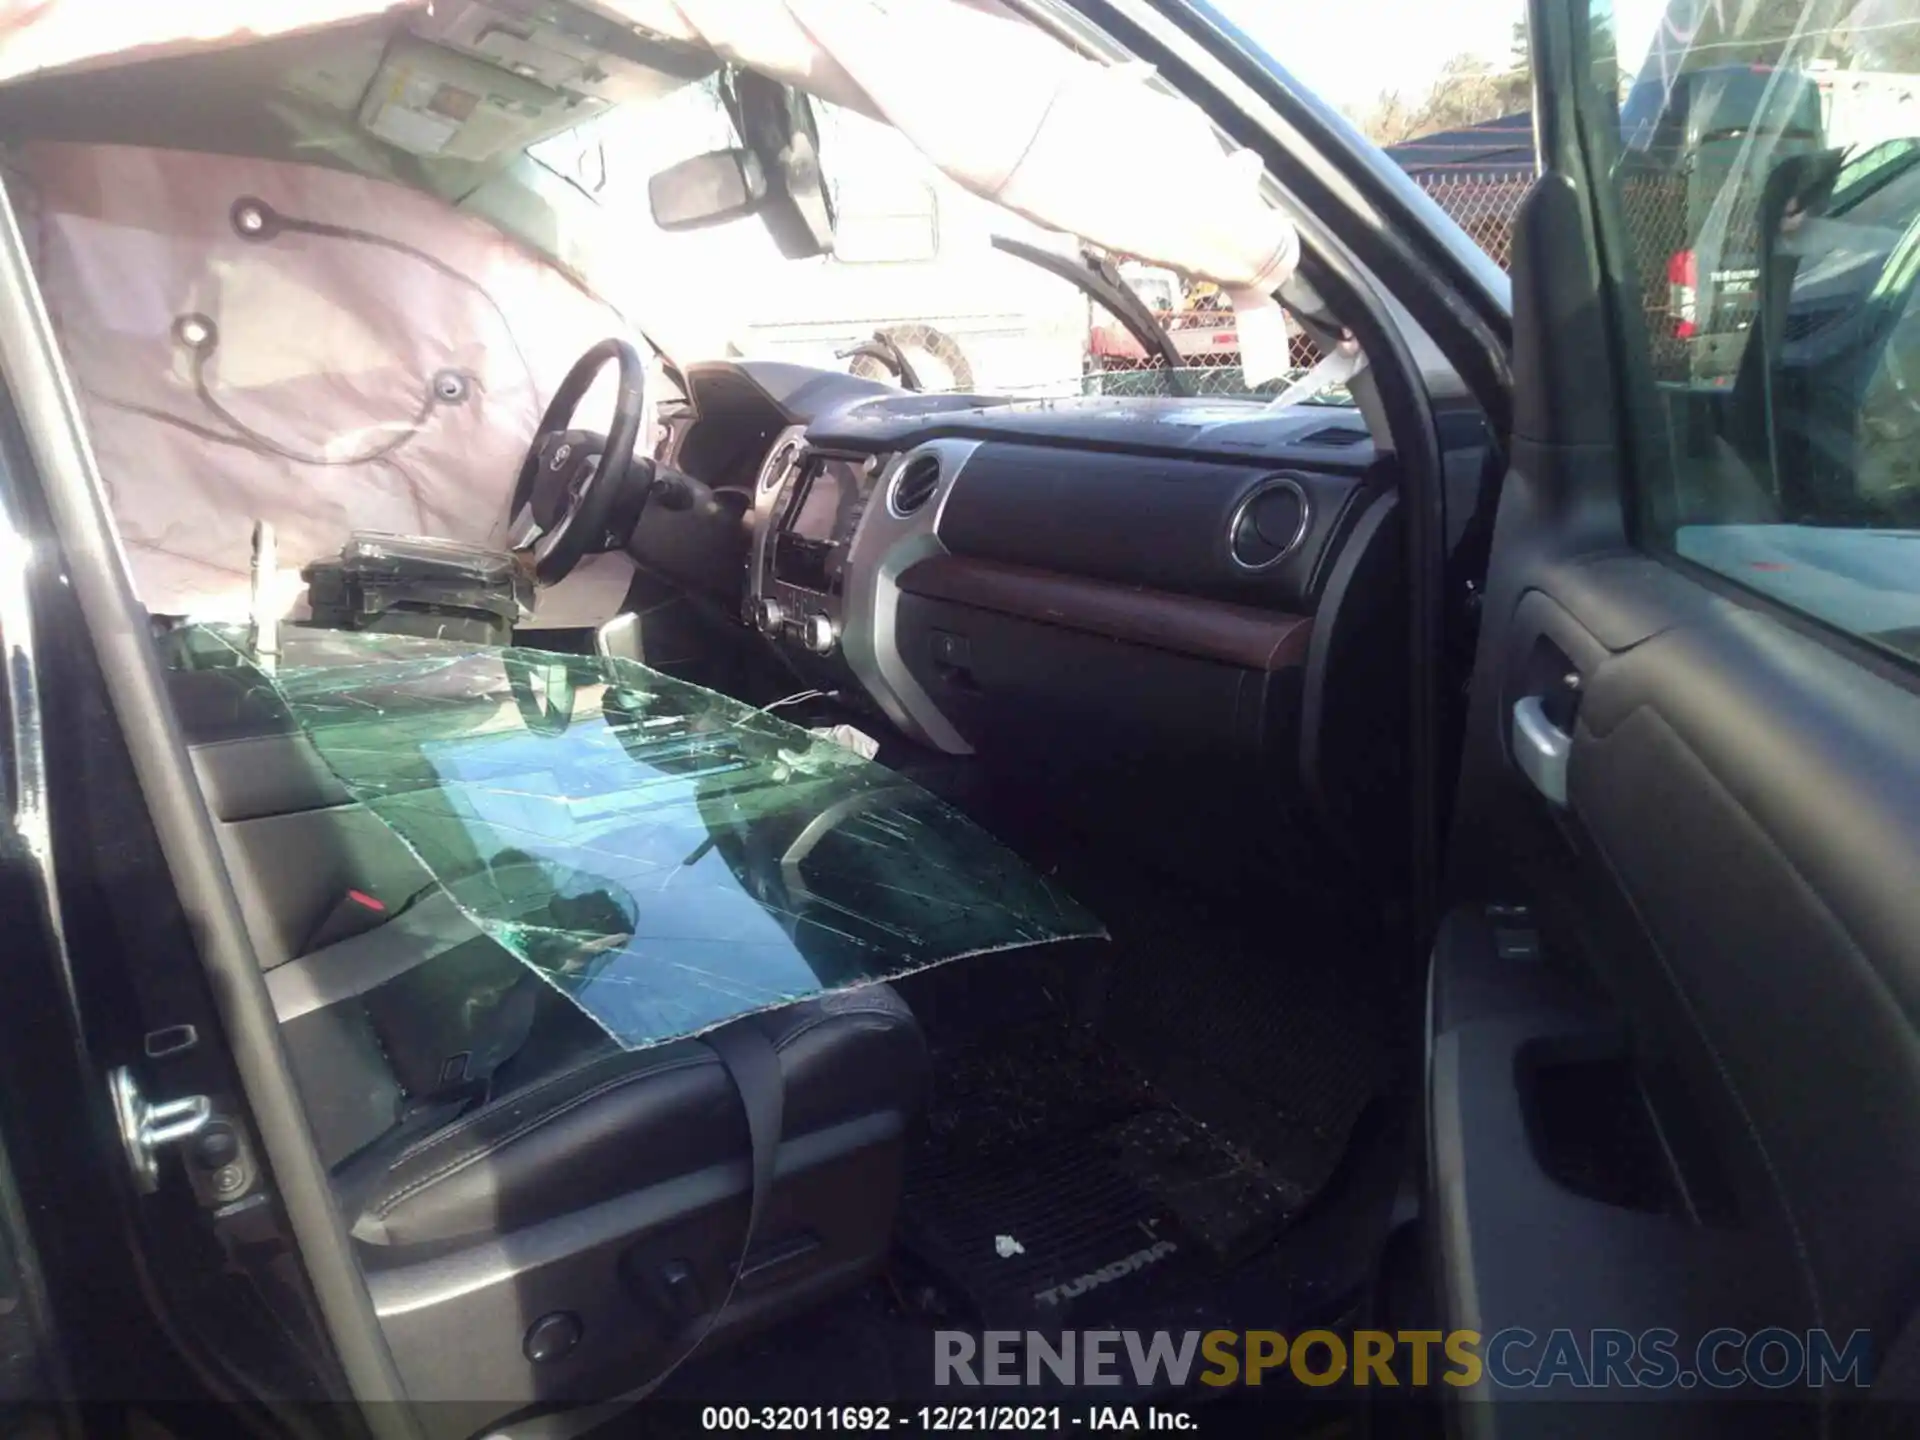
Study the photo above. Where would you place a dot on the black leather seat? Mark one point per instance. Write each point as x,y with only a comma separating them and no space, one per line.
574,1235
573,1130
541,1215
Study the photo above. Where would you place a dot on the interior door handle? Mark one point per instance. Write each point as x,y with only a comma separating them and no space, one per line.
1541,748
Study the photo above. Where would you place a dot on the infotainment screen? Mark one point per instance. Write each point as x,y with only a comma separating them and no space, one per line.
810,548
832,488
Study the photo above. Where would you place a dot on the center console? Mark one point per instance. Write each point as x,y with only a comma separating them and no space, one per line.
809,505
833,531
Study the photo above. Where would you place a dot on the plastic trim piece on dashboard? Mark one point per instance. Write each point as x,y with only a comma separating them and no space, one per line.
885,548
883,545
1240,635
781,464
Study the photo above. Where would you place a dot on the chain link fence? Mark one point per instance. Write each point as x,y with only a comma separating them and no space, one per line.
1653,211
1484,204
1207,340
1204,334
927,357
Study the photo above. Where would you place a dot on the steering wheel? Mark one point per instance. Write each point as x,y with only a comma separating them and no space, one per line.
571,480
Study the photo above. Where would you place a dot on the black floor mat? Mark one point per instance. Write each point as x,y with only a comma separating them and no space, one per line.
1055,1185
1277,1039
1261,996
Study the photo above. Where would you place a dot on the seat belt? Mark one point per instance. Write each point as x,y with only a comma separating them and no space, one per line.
754,1067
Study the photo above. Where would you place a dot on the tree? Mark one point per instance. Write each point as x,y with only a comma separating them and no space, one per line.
1468,90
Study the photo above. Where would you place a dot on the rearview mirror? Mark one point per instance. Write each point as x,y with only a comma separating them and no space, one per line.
708,189
778,124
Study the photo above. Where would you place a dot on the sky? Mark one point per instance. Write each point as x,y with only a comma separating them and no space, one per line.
1351,51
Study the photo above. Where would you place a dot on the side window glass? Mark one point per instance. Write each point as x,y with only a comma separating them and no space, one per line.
1766,169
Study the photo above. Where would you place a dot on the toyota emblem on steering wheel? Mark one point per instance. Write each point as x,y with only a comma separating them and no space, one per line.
561,455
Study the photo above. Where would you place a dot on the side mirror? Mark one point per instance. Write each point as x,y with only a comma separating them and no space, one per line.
708,189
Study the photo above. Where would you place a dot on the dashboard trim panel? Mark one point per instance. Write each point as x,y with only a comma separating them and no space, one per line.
1115,522
781,464
885,548
1251,639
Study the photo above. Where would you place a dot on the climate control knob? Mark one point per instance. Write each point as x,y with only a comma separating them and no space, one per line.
768,617
818,634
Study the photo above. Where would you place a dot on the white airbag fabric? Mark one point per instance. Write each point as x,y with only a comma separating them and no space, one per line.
329,346
1078,146
325,350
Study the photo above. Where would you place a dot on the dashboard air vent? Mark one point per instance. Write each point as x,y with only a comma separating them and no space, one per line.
779,465
1335,435
914,485
1269,524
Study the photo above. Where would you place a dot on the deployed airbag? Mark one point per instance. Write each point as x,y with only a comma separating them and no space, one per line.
257,338
1076,145
665,857
372,361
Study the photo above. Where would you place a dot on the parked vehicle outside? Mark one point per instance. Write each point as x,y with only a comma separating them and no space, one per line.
1692,142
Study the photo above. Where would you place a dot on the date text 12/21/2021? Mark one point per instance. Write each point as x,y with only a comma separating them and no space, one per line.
940,1419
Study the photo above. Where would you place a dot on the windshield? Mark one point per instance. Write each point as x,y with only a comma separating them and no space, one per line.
665,857
332,281
914,282
1444,90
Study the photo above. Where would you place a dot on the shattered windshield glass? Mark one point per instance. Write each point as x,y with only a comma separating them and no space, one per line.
665,857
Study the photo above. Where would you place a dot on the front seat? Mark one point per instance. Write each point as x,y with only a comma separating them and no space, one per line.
574,1236
542,1215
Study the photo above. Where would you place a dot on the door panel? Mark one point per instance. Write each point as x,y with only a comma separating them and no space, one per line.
1750,794
1675,1018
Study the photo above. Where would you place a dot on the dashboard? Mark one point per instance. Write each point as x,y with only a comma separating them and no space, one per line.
980,570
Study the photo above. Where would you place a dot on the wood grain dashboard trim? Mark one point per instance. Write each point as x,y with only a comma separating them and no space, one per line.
1240,635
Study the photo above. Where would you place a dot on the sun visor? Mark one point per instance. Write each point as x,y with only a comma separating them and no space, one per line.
665,857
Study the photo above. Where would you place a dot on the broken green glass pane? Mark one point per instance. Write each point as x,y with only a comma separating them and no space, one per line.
666,857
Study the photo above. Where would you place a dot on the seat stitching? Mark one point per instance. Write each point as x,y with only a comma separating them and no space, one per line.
818,1020
532,1123
420,1147
386,1204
